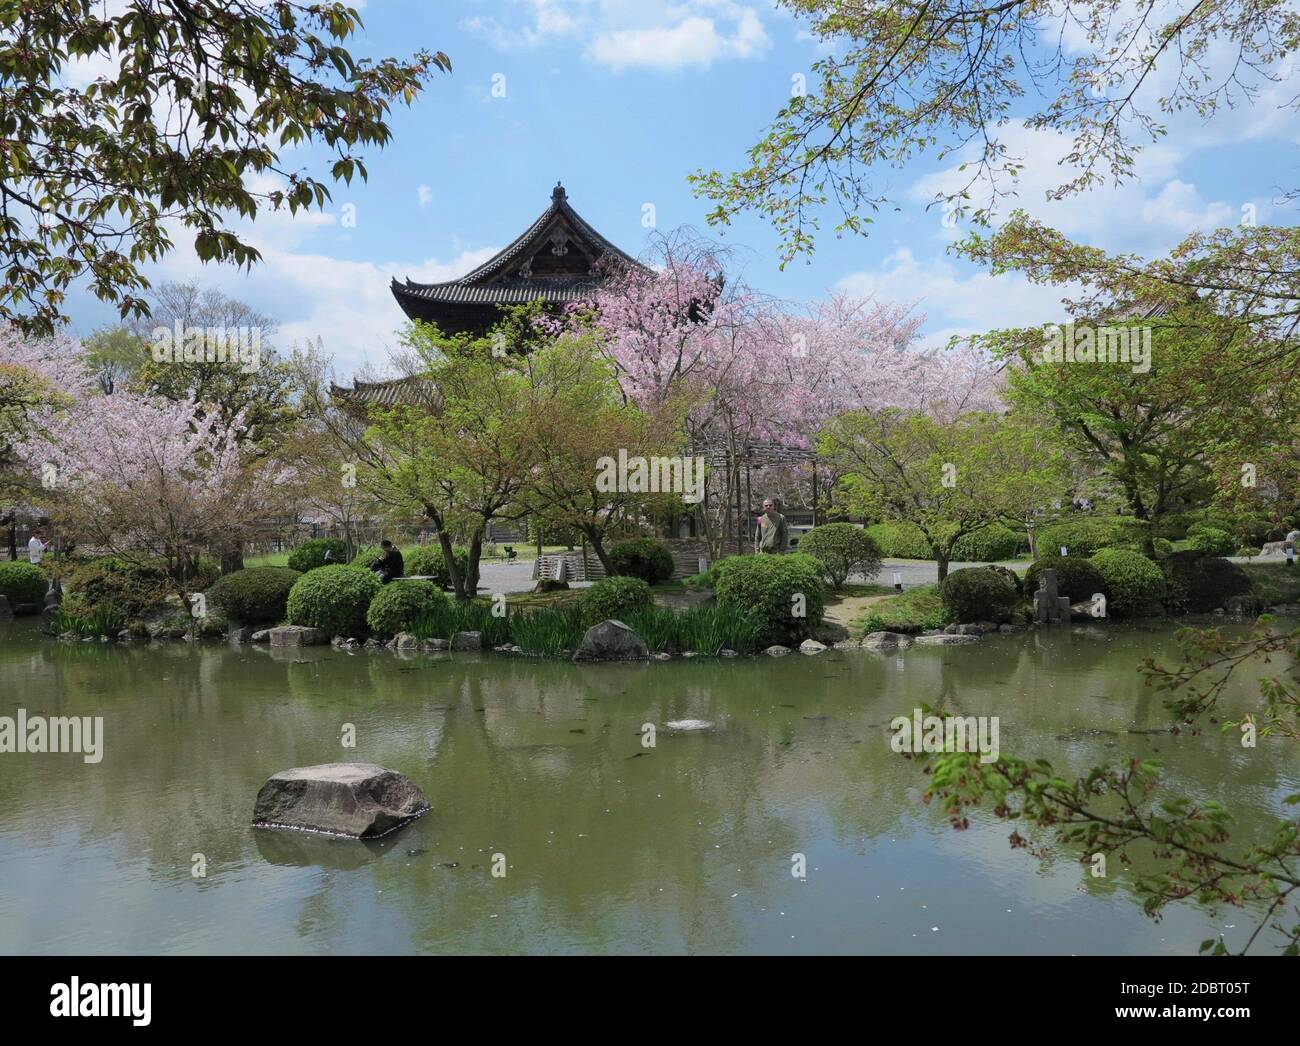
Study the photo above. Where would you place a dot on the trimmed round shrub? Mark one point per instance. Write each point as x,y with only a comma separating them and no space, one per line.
256,594
1085,536
22,583
900,541
978,594
842,549
1133,582
1196,583
769,586
615,597
1076,577
1163,546
311,554
988,544
645,558
427,561
131,587
334,599
398,606
1210,540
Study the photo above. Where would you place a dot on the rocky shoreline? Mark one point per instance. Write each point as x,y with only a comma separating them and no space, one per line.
612,640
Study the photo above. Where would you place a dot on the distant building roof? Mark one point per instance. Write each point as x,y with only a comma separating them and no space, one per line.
558,259
410,392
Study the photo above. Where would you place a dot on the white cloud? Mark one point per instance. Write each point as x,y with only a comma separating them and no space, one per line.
425,195
1149,214
623,34
693,41
345,303
956,302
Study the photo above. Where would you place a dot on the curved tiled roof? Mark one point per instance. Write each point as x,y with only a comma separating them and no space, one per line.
412,391
505,292
498,282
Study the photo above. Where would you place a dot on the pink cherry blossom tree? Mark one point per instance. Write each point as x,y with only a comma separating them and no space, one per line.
146,477
750,368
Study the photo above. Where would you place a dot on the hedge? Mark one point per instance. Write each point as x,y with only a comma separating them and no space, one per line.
1086,536
255,595
1076,577
130,587
1133,582
645,558
427,561
900,541
1196,583
22,583
842,549
978,594
310,555
776,588
614,597
988,544
334,599
1211,540
399,605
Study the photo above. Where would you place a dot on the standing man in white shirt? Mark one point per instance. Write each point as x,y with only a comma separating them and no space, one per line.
35,548
1292,539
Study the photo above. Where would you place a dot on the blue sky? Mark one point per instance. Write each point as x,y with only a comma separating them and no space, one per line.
621,101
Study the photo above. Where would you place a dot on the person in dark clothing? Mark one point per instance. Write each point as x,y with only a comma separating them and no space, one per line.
390,564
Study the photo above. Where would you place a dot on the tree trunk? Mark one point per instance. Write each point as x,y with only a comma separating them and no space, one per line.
449,561
232,558
598,547
942,562
471,574
448,553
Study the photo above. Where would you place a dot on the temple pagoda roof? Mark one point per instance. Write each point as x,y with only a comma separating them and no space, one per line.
558,259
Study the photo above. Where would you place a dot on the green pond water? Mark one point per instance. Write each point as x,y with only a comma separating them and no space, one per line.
609,846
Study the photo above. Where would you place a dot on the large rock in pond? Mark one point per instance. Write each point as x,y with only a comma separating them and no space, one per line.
886,641
297,635
611,640
464,641
358,800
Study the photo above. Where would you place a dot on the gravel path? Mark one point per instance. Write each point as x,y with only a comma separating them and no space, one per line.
517,576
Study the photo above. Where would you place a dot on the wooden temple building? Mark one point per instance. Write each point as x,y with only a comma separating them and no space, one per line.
558,259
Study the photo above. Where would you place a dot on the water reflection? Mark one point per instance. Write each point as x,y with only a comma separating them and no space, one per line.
609,846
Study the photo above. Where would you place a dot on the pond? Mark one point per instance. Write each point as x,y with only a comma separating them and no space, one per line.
609,847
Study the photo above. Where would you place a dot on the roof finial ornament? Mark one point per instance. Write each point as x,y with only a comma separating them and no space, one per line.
558,192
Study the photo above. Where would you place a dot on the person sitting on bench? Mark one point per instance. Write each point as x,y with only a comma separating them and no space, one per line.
390,565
